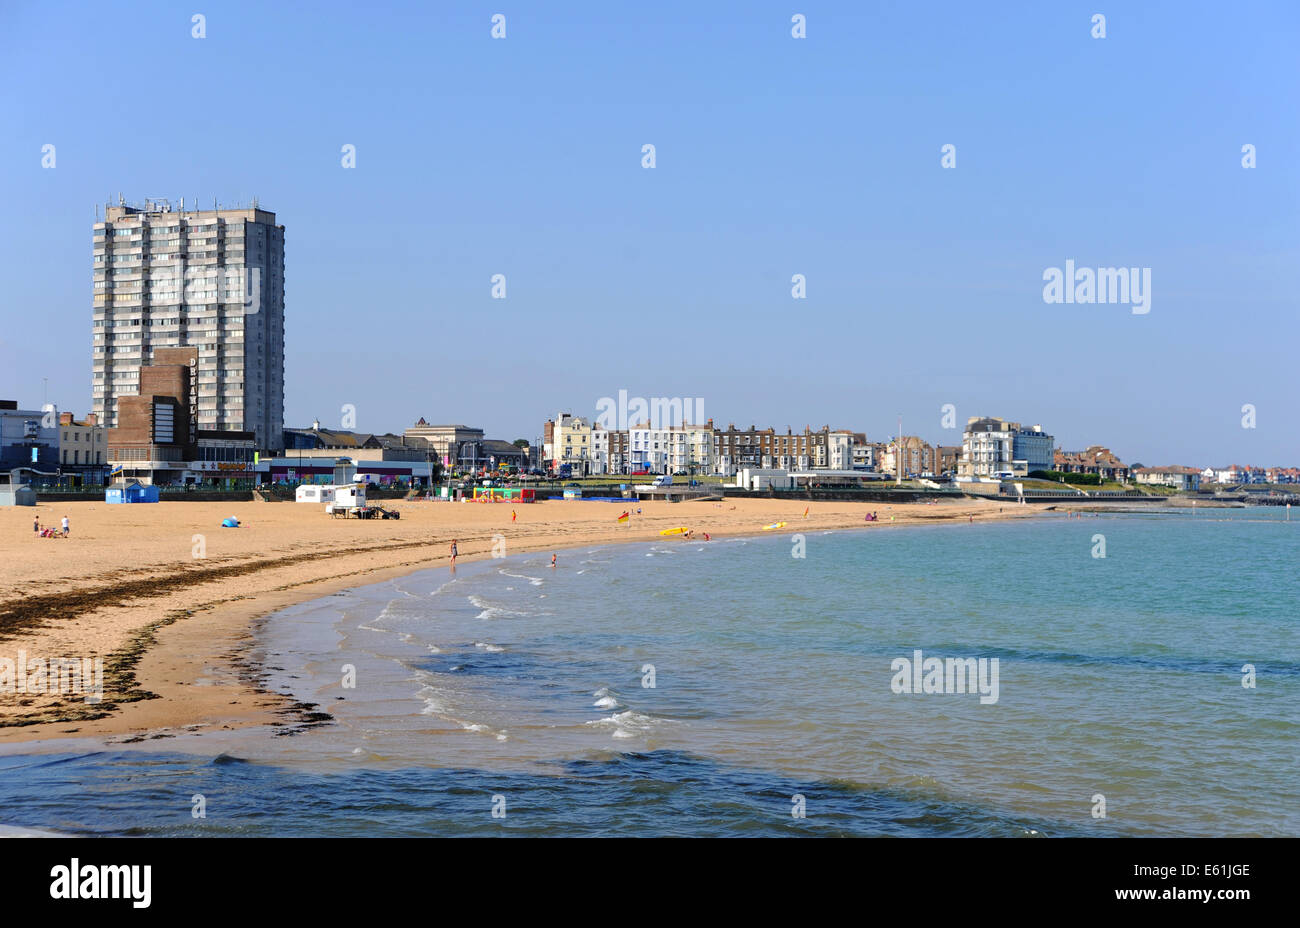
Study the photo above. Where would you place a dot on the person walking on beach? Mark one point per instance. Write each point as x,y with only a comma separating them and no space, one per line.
514,517
36,525
66,531
453,552
552,561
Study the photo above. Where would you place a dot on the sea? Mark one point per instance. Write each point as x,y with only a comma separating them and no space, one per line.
1147,671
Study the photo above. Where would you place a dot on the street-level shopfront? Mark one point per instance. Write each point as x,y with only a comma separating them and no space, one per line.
230,475
293,470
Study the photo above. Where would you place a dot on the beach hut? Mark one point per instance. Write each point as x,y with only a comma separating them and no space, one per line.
131,491
17,494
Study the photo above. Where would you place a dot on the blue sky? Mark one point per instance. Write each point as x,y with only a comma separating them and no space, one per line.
775,157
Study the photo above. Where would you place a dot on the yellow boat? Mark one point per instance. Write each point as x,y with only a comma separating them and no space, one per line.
674,531
774,525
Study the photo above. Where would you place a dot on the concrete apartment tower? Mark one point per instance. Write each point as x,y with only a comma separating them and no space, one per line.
208,279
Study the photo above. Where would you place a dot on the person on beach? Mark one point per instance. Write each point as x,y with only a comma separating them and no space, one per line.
514,517
453,552
706,536
552,561
36,525
66,531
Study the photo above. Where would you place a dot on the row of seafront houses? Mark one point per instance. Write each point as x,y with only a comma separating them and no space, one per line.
991,448
156,442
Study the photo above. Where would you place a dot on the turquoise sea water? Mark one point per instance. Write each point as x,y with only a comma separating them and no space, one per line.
513,686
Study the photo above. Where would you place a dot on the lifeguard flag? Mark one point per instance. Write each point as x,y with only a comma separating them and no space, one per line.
624,517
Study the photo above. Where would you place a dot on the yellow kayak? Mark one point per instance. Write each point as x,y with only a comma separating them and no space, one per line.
774,525
674,531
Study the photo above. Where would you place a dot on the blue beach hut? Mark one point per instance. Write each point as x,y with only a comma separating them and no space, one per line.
131,492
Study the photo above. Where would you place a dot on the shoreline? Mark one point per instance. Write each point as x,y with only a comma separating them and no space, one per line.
176,636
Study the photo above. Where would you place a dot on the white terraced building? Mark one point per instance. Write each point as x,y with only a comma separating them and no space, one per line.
214,279
992,446
672,450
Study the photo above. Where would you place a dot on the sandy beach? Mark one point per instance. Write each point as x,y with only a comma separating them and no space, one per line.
167,598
